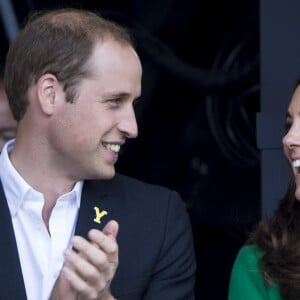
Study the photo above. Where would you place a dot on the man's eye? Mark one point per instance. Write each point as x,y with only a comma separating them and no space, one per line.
115,102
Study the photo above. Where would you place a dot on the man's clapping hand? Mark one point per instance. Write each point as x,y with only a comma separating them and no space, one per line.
89,268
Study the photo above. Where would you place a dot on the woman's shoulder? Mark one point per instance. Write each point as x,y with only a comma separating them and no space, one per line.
246,276
250,255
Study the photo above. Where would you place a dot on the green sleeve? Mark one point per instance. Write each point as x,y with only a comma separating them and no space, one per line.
246,281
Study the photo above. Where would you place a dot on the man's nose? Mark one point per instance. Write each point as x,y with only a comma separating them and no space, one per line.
128,125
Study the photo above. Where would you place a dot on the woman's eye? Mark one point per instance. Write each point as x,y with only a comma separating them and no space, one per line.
288,125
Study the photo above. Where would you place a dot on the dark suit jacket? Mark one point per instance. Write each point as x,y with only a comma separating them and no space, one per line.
156,252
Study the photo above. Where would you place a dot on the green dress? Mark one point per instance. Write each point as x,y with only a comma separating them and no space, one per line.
246,281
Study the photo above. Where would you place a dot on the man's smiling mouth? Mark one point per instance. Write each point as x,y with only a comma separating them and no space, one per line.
115,147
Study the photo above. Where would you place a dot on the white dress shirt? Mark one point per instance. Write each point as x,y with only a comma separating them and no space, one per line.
40,251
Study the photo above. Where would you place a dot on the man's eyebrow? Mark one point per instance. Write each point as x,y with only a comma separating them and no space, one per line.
115,95
112,95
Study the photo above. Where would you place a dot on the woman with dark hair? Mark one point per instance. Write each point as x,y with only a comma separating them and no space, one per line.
268,266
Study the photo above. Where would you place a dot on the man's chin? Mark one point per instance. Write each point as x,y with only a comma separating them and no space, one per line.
109,174
104,174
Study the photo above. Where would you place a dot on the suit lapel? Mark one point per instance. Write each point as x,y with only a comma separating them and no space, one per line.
96,206
12,284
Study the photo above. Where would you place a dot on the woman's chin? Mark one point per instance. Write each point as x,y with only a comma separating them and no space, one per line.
297,193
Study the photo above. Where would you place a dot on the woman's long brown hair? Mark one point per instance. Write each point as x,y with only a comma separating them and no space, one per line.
279,237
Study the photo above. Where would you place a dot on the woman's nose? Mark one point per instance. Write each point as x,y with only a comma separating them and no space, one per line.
292,137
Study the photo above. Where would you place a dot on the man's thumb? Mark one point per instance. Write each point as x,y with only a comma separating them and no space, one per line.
111,228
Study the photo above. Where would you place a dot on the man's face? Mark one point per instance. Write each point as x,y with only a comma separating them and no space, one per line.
8,125
88,134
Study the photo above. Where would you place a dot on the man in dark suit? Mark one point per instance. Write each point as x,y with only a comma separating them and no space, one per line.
71,227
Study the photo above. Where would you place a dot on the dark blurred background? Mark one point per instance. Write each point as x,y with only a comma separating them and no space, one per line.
197,114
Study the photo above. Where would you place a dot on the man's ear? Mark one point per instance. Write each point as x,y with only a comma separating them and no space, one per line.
48,90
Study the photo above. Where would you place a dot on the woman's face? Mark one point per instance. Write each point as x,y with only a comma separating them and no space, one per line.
291,141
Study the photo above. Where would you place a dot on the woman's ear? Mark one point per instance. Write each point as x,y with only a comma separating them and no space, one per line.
48,91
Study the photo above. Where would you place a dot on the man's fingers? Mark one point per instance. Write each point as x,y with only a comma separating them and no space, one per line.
79,284
105,239
87,269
